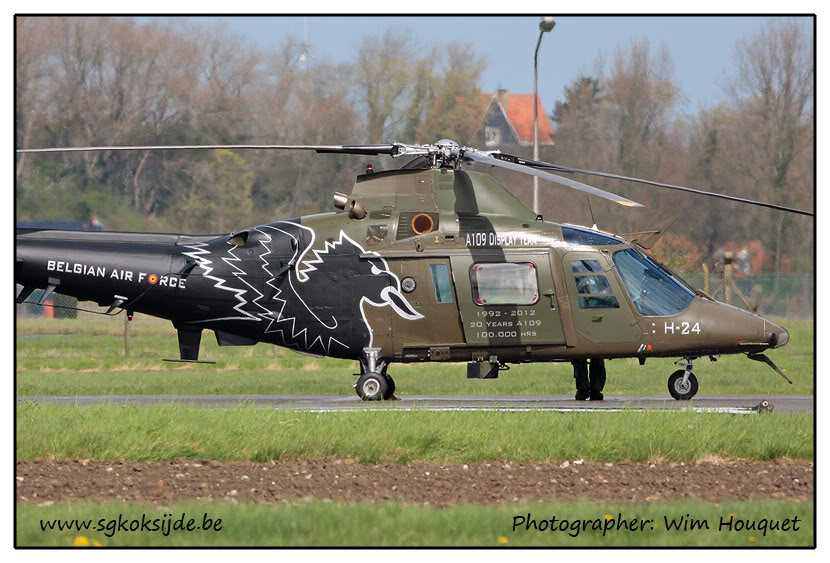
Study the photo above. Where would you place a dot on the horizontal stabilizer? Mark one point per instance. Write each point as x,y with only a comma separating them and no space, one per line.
118,302
25,292
50,289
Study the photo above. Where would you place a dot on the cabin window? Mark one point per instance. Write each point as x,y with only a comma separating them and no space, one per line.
653,289
504,283
441,283
588,237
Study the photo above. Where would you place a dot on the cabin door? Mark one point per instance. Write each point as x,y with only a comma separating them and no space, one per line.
507,299
427,285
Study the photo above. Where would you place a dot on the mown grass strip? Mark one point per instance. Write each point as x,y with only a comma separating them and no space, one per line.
391,524
166,432
86,357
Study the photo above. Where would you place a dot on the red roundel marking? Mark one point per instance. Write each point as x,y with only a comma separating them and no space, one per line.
153,279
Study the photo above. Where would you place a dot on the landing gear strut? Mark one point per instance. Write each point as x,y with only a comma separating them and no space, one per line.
374,384
683,383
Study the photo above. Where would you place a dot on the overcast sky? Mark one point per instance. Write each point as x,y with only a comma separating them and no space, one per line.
701,47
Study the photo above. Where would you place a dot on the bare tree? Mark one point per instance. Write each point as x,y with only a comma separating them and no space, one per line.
230,69
456,107
623,120
640,97
772,96
31,69
392,81
220,194
382,78
423,92
578,123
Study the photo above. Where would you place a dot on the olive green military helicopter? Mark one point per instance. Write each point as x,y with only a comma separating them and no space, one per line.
426,263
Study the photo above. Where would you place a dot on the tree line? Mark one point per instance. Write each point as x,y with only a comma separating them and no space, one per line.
112,81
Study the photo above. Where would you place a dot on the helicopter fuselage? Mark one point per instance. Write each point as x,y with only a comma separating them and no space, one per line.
444,266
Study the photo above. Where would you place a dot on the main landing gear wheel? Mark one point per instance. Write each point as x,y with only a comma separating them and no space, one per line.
387,395
372,387
374,384
390,384
679,390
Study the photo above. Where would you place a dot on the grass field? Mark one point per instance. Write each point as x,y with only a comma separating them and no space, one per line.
246,433
86,357
393,524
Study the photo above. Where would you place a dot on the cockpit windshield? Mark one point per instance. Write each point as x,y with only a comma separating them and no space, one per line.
653,289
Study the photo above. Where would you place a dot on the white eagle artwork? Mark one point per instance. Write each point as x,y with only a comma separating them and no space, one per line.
313,300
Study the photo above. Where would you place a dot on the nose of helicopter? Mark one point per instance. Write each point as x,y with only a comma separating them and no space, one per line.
778,335
734,326
764,331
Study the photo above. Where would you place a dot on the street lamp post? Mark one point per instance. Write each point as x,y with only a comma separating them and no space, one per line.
546,23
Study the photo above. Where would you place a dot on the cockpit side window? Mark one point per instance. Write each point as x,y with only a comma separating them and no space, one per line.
592,285
653,290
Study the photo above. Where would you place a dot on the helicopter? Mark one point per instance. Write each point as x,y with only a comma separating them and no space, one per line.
430,262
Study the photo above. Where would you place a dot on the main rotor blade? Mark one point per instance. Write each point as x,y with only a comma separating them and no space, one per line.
548,166
370,150
525,169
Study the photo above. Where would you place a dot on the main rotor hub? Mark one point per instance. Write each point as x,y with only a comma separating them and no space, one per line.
447,145
445,153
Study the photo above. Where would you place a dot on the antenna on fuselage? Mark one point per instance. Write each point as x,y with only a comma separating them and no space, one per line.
593,221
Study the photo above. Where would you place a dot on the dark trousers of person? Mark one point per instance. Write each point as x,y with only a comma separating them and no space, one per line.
589,385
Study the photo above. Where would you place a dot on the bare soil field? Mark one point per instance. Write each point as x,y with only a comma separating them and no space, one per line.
43,481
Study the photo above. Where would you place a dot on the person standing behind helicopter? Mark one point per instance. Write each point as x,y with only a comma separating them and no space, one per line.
589,385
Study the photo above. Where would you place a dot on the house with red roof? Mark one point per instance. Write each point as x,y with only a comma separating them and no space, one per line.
508,120
498,120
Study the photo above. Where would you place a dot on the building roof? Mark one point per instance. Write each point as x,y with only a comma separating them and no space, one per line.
519,111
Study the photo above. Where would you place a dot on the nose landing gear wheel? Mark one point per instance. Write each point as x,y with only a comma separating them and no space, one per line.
372,387
680,391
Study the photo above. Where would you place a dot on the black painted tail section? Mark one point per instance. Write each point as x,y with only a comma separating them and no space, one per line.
98,266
